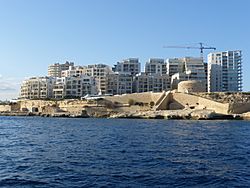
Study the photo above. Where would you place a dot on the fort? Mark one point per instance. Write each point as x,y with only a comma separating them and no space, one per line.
166,104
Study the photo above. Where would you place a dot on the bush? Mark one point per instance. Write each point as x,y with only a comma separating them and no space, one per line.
152,103
139,103
131,102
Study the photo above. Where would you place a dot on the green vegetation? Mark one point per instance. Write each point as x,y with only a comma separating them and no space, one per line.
152,103
131,102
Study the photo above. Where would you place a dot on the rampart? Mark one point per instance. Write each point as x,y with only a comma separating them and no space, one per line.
148,101
191,101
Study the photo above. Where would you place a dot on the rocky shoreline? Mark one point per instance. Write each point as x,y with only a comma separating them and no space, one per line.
147,105
185,114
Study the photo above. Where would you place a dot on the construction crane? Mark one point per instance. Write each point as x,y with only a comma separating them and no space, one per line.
202,47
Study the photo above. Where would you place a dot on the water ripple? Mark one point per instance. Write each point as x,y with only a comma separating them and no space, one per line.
51,152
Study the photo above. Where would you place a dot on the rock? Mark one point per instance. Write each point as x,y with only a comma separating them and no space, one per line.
245,116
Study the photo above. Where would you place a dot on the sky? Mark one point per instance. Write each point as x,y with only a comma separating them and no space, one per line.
35,34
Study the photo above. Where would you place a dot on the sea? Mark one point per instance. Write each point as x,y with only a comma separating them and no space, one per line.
68,152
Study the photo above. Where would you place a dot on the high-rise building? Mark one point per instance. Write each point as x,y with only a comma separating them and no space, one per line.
56,69
225,71
155,66
131,66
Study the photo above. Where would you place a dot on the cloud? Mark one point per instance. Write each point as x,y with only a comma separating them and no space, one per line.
9,87
6,86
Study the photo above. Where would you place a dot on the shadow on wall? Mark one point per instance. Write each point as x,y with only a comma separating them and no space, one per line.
175,105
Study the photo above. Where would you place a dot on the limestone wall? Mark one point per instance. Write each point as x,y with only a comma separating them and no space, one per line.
238,108
10,107
164,103
199,102
146,97
191,86
5,108
32,105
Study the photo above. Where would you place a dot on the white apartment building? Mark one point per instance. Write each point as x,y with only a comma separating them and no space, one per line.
225,71
187,68
37,88
74,71
119,83
79,86
99,72
59,88
175,65
145,82
156,66
56,69
131,65
195,67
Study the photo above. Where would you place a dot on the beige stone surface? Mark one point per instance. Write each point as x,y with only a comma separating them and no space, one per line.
193,101
5,108
191,86
163,101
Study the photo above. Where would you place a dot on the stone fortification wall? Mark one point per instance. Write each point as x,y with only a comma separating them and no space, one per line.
146,97
10,107
5,108
35,105
41,105
187,100
163,101
191,86
238,108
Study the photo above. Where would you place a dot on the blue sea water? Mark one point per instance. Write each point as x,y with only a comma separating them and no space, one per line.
63,152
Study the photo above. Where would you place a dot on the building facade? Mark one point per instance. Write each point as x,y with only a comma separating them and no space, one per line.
225,71
59,88
155,66
73,71
79,86
119,83
145,82
56,69
175,65
129,66
194,67
99,72
187,68
37,88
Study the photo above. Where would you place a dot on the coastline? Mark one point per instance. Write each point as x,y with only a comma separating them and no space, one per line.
147,105
163,114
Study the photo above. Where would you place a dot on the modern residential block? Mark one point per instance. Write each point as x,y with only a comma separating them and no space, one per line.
129,66
37,88
156,66
145,82
74,71
225,71
56,69
188,68
79,86
99,72
119,83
